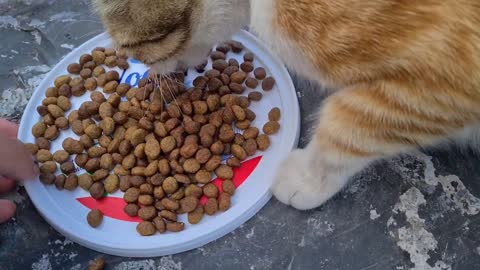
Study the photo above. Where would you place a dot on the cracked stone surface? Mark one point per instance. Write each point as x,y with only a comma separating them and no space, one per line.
418,211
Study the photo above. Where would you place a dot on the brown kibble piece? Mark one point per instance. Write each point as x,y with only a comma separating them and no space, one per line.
211,207
112,75
90,84
48,167
251,83
189,204
145,199
203,176
251,133
260,73
146,188
237,47
250,147
263,142
85,181
71,183
61,80
233,162
210,190
93,131
61,156
274,114
44,155
131,195
38,130
81,160
97,71
147,213
213,163
238,77
47,178
95,218
65,90
224,202
60,181
55,111
243,124
111,61
191,165
228,186
247,67
239,152
170,185
239,113
175,227
62,123
72,146
170,204
271,127
122,89
97,264
168,144
110,87
84,58
146,228
85,73
152,149
97,190
43,143
160,224
51,133
193,190
99,175
268,83
168,215
98,57
64,103
92,165
196,215
122,63
224,172
248,57
131,209
74,68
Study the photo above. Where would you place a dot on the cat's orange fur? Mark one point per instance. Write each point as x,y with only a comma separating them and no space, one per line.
406,74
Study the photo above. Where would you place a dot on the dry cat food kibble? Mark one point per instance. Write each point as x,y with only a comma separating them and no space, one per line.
159,142
97,264
95,218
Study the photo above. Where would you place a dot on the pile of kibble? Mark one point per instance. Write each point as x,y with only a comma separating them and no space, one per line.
159,143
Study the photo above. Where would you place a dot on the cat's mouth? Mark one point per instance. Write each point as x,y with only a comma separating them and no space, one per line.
165,67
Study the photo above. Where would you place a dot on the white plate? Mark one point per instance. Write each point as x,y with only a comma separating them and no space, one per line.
65,212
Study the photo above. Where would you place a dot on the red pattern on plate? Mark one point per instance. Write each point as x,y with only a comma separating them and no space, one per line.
113,206
110,207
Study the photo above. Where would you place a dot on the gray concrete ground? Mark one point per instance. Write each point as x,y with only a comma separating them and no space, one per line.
413,212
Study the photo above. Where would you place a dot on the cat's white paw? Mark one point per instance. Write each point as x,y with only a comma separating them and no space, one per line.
304,184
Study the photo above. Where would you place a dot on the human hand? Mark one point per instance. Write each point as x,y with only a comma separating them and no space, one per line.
16,163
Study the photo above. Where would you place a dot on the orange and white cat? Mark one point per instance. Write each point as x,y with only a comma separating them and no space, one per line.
406,73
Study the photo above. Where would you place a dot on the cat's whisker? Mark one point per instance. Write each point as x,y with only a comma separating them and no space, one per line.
173,94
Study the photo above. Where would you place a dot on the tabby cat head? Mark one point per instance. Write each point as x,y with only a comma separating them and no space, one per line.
162,33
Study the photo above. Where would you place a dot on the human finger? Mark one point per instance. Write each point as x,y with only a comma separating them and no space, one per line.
7,210
15,160
8,128
6,184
